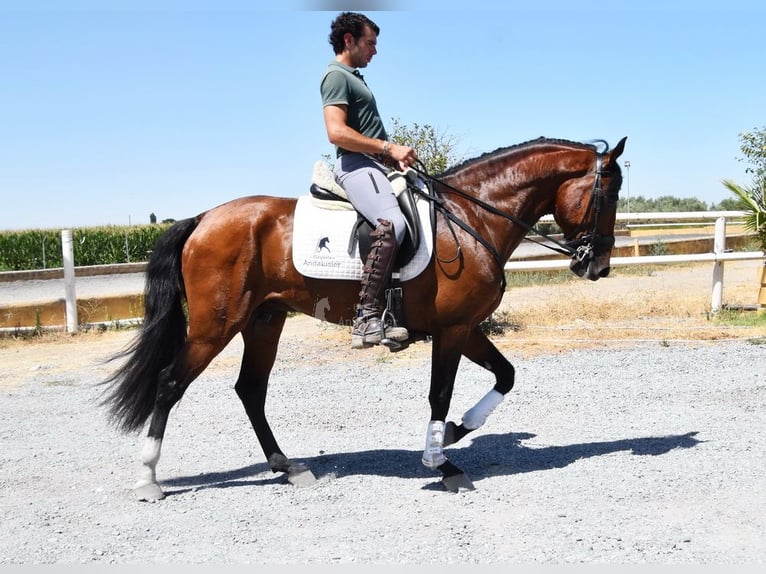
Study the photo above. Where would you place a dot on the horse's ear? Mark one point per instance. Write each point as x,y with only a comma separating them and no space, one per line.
618,149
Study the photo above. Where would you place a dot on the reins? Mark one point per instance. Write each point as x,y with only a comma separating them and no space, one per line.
559,247
580,249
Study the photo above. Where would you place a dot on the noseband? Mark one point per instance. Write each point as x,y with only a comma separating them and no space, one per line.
591,244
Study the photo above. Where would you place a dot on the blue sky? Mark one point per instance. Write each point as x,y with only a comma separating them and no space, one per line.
110,114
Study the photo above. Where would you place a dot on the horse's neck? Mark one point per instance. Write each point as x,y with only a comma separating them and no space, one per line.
525,195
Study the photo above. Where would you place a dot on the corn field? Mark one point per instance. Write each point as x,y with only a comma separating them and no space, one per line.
41,248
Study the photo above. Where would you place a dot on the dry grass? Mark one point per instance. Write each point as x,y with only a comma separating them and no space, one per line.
663,305
667,305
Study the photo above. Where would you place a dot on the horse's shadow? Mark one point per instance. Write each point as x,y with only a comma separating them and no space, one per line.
486,456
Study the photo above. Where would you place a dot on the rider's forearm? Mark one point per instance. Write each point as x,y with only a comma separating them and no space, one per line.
351,140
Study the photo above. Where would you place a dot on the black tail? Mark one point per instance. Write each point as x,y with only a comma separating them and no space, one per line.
133,387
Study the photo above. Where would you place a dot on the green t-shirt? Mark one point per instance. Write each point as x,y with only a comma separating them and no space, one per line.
344,85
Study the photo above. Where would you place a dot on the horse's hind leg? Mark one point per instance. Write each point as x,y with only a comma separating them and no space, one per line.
261,340
173,382
483,352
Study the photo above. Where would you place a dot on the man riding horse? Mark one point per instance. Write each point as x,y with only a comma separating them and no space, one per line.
231,270
355,127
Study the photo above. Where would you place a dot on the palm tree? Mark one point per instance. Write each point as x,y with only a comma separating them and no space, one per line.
753,199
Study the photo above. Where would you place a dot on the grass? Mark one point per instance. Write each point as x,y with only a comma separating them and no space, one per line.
530,278
550,310
516,279
740,318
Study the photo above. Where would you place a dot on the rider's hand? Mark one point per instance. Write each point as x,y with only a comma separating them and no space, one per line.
403,155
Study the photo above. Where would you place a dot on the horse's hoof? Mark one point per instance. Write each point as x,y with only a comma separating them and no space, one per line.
453,433
395,345
456,482
454,479
301,477
148,492
450,433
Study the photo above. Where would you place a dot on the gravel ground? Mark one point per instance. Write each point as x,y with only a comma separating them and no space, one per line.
652,453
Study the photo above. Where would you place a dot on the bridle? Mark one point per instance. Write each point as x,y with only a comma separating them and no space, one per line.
582,250
589,245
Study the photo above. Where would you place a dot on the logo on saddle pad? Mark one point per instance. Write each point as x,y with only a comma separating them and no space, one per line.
321,240
322,244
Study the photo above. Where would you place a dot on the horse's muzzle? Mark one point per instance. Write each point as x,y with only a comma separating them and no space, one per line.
592,259
594,269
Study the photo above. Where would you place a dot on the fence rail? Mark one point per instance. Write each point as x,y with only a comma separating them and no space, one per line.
671,216
553,264
718,256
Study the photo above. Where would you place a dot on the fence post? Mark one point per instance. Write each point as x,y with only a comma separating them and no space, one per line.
69,290
719,246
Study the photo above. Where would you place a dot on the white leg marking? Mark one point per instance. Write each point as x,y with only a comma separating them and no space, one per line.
477,415
150,455
433,455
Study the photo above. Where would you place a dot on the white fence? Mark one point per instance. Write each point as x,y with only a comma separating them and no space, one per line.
718,256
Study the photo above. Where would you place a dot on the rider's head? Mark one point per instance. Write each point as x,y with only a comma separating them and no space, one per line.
349,23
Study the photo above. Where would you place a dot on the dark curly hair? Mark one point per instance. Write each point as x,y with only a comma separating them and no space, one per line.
349,22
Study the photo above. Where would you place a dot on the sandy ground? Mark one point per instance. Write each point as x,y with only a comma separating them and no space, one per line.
647,448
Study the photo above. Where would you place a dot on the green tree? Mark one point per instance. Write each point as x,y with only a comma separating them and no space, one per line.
754,200
436,149
753,148
728,204
664,203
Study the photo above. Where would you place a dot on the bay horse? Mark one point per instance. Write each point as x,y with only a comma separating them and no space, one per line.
229,270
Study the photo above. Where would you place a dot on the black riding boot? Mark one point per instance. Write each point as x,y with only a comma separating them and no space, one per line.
368,328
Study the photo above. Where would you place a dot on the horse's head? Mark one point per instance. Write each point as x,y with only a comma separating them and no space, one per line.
586,209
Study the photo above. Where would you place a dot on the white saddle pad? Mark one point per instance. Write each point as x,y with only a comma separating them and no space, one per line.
321,238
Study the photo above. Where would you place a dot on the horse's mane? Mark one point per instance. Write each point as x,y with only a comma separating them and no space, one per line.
515,148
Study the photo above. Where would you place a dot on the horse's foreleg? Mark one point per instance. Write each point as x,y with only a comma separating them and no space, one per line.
261,340
483,352
445,358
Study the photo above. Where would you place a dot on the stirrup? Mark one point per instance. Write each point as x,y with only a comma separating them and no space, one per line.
393,334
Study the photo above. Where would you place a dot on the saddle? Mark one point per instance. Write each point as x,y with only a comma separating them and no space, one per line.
327,193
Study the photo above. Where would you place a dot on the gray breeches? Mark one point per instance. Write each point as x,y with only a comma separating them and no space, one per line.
369,191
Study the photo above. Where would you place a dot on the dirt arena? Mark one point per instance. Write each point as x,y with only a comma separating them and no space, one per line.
633,435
